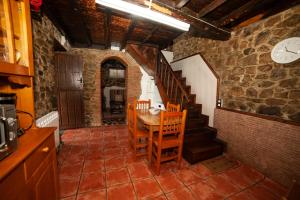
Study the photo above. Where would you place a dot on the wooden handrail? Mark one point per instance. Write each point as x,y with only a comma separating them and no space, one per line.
172,86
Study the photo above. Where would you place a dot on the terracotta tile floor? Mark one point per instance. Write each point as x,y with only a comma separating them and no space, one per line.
96,163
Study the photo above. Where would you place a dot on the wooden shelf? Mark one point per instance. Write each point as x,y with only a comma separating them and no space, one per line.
13,69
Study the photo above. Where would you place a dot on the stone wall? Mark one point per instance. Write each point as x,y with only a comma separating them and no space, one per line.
261,143
92,60
44,36
250,80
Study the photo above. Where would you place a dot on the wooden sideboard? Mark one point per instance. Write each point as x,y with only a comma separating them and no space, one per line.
30,173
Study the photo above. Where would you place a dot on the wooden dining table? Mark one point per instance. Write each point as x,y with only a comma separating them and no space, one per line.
153,123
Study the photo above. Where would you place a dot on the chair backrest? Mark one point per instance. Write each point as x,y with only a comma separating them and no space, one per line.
143,104
172,123
173,107
131,117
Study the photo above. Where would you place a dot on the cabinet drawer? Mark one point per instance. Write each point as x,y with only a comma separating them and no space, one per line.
36,158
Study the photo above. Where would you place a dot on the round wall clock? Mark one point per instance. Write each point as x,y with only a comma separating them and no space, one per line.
286,51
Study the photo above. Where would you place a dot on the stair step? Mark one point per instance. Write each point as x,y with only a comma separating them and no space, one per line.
198,152
187,89
183,81
192,98
201,121
199,135
178,73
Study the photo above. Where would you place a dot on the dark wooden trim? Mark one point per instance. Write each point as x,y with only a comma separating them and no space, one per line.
181,3
150,34
107,29
128,34
210,7
209,66
267,117
237,13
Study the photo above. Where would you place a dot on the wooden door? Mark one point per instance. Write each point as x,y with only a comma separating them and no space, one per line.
70,86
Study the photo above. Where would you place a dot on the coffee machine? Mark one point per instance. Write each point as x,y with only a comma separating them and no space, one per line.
8,124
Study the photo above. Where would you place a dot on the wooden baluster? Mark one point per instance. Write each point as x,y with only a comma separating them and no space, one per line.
168,83
172,87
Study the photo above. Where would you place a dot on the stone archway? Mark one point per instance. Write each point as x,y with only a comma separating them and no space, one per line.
92,59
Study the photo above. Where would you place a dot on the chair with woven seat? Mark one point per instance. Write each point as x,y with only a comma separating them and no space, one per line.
138,137
173,107
167,145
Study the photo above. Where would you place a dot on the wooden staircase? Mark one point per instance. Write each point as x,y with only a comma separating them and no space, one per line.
200,142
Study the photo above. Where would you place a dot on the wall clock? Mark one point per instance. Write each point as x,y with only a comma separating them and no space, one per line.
286,51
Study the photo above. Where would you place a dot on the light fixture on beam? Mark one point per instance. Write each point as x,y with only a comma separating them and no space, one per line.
144,12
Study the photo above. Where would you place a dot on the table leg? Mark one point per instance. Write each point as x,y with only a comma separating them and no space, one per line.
150,144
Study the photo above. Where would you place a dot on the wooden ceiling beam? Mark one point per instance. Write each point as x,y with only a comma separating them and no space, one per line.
181,3
210,7
237,13
150,34
107,29
199,27
128,33
77,12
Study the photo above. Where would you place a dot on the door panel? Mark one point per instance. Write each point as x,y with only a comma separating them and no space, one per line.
70,90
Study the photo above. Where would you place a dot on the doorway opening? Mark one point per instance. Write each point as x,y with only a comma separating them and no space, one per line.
113,92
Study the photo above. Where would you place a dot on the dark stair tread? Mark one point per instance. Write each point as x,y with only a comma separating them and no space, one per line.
198,152
178,73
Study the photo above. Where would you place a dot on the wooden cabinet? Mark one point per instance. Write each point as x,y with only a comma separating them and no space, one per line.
30,173
16,56
15,38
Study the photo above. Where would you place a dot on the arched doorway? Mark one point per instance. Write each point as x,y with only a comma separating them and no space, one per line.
113,91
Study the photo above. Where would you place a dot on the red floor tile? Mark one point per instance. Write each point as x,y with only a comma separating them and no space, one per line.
169,182
238,178
124,192
146,188
181,194
201,170
117,176
70,171
274,187
187,176
244,195
251,173
139,170
92,181
69,198
202,191
115,163
161,197
261,193
94,155
222,185
93,195
93,166
68,187
73,160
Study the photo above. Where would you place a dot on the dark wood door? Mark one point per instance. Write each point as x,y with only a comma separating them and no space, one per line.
70,87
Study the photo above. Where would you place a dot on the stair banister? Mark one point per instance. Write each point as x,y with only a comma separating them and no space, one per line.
165,73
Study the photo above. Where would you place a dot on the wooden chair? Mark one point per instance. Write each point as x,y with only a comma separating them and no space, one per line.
167,145
138,138
173,107
143,104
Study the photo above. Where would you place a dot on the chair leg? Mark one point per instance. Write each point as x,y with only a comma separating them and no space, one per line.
158,161
179,157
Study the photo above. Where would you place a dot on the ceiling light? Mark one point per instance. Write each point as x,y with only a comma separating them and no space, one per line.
144,12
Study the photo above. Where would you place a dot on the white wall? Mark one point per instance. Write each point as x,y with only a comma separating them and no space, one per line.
202,81
149,90
168,55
